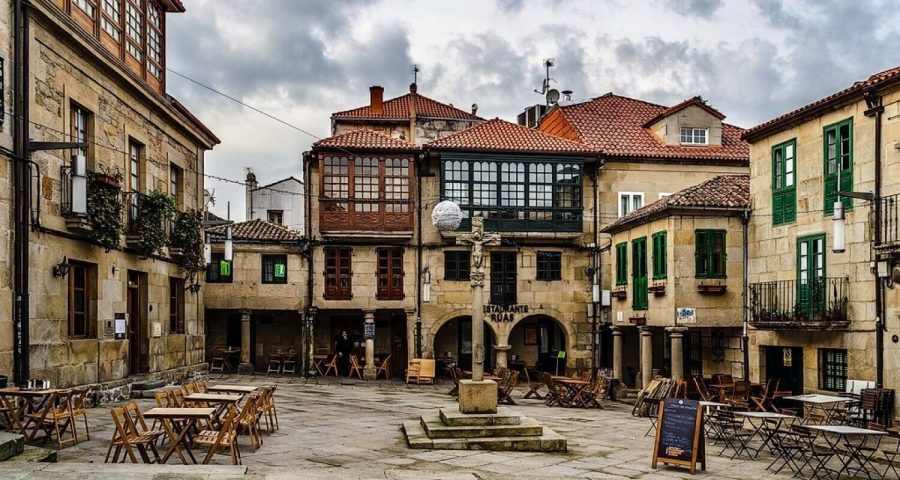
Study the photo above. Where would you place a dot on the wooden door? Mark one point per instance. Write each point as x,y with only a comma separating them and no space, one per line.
138,336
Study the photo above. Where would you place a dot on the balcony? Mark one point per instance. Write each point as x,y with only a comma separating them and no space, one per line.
394,217
74,193
889,223
526,219
784,305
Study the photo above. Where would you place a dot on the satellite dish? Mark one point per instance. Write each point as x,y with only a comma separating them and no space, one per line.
552,96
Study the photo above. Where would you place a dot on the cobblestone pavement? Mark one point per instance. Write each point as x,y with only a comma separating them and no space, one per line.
339,429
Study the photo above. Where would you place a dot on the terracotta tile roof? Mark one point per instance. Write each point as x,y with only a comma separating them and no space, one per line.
724,192
364,139
614,125
398,109
694,101
174,6
823,104
501,136
256,230
181,109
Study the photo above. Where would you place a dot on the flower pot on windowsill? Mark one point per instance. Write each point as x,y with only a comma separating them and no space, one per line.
714,286
620,293
106,180
638,321
176,252
658,288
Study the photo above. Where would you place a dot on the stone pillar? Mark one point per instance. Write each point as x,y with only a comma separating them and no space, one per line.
246,365
369,369
646,356
477,325
411,335
502,355
676,334
618,372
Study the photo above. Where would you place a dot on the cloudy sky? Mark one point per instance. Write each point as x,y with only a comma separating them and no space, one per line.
301,60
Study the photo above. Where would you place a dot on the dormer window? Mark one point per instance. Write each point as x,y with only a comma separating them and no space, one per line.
694,136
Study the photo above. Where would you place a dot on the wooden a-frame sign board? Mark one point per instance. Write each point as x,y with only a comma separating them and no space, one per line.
679,434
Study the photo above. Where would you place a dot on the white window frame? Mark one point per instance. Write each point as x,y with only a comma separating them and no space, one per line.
631,196
693,136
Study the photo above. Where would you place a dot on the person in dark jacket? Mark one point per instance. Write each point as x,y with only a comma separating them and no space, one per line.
344,348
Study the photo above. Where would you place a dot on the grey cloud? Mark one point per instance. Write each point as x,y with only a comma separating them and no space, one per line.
510,6
693,8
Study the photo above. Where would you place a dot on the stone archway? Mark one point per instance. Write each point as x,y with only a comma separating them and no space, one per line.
535,340
450,341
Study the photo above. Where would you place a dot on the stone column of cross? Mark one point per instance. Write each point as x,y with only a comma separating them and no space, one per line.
477,239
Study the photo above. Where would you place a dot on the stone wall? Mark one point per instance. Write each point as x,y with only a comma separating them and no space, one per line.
426,130
246,291
669,128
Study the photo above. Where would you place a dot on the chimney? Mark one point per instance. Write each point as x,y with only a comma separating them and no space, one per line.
474,108
376,99
413,88
249,185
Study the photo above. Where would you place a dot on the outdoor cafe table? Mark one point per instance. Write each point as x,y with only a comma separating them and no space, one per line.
575,388
758,421
853,451
221,401
708,408
178,422
238,389
823,403
32,402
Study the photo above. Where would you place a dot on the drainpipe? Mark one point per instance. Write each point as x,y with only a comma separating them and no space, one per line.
874,102
595,308
745,261
22,193
307,251
418,335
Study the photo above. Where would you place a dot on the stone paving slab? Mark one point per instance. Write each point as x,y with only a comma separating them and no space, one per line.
331,431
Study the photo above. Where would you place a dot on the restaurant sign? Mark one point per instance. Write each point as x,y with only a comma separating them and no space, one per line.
503,313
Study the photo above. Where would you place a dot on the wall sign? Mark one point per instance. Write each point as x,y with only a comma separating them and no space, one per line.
787,357
503,313
685,315
368,330
679,437
121,326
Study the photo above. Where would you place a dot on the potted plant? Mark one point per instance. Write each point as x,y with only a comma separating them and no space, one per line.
157,209
104,208
187,241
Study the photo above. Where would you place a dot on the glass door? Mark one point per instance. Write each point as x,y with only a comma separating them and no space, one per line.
810,275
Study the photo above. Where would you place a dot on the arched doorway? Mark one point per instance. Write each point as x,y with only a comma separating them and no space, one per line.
453,343
536,342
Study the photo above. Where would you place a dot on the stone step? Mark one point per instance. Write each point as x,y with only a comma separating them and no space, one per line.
150,384
452,417
435,428
548,442
35,455
11,444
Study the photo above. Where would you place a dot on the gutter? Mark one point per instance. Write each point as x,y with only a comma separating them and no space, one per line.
21,192
419,249
876,109
307,252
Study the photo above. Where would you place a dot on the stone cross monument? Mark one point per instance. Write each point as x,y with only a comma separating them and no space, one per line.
478,240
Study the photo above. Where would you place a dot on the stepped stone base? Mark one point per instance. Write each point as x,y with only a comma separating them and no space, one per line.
34,455
11,444
503,431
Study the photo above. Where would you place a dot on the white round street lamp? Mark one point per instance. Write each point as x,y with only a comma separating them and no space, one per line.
446,216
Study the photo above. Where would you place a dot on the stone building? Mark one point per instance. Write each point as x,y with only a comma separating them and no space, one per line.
254,302
819,313
280,202
679,269
97,75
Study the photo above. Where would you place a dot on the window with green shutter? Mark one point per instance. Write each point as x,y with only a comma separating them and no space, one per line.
274,269
784,185
622,263
659,256
710,253
838,144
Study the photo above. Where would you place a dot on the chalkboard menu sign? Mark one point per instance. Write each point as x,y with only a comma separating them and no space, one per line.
679,435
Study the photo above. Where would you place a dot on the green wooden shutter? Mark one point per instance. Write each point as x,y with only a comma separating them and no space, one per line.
622,263
639,298
700,253
837,142
659,256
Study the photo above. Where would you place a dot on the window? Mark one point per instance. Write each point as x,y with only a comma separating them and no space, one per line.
175,183
838,140
275,216
784,188
660,250
396,185
710,253
629,202
82,291
390,274
694,136
274,269
622,263
456,265
154,40
549,266
515,195
365,184
176,305
503,278
87,6
219,270
110,19
338,275
374,191
336,184
134,28
135,158
81,130
832,369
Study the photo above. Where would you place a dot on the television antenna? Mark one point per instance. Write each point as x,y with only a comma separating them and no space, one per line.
415,72
551,95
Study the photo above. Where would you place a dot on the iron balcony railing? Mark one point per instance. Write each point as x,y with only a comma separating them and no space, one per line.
787,304
521,219
889,220
66,172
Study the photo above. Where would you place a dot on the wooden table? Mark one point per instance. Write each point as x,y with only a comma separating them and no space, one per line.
575,388
32,402
723,389
178,422
239,389
222,402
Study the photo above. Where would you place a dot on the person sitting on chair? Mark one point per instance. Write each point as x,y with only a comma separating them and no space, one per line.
344,348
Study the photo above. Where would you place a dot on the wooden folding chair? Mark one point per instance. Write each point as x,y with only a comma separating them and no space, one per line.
267,406
704,393
355,367
384,368
289,363
506,386
534,388
764,403
331,366
455,375
248,421
218,361
412,370
225,437
176,398
129,436
9,414
79,408
274,365
55,417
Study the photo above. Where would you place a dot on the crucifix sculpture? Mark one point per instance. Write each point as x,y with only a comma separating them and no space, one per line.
478,240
